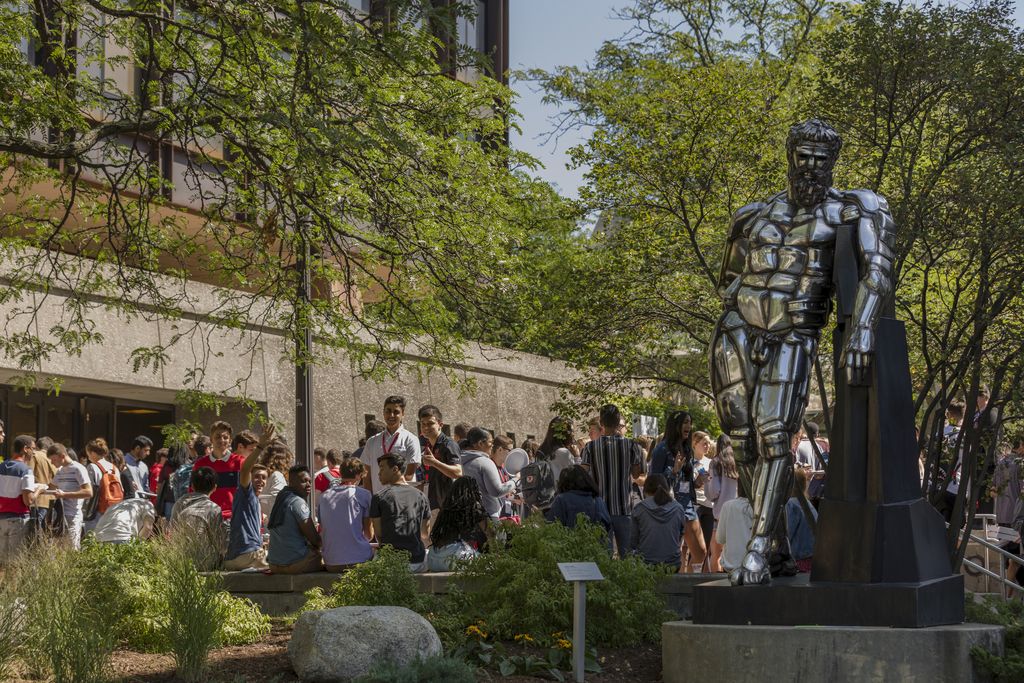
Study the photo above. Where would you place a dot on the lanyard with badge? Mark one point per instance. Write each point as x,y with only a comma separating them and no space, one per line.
389,447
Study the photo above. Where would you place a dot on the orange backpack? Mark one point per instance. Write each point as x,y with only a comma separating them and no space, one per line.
110,489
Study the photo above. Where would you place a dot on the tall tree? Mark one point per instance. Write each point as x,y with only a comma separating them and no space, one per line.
289,129
930,101
688,111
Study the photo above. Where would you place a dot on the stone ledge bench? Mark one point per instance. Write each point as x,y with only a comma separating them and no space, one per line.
282,594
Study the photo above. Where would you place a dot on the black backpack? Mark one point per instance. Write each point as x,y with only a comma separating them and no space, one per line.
537,484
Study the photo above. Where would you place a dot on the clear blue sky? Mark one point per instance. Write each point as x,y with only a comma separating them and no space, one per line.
545,34
549,33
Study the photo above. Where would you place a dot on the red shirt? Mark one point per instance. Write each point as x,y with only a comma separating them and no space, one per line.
323,482
154,477
227,479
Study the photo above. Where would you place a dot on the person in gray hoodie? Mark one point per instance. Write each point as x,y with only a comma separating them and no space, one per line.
477,463
657,524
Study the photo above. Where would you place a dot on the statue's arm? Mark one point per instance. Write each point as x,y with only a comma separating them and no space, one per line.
875,241
736,251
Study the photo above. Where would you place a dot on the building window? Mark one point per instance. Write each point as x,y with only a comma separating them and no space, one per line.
91,51
197,184
472,36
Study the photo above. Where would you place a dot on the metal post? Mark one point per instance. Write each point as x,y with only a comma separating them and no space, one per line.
303,369
579,629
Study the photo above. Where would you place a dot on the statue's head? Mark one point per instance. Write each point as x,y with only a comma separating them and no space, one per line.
812,149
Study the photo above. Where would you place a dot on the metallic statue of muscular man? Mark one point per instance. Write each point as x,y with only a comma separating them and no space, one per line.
777,285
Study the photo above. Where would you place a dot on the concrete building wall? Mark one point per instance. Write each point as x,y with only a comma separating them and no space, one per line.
499,390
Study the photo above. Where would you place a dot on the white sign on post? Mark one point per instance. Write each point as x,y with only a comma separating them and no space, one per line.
579,573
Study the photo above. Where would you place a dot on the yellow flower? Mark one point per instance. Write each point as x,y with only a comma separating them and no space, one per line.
474,630
564,644
524,638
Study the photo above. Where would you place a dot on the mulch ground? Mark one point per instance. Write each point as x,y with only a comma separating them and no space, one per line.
267,662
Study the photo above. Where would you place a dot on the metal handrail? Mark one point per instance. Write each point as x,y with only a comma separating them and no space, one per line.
1004,583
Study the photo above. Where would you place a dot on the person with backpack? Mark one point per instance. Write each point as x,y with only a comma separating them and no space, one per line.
477,463
578,495
558,447
105,480
70,487
177,467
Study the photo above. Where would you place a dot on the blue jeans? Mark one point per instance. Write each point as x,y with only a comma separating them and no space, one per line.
620,532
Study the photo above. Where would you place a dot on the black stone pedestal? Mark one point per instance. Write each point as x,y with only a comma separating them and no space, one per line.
794,601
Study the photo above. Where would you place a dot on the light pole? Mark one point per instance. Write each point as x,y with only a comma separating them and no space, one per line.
303,336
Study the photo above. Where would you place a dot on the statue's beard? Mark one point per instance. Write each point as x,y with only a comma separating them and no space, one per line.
808,188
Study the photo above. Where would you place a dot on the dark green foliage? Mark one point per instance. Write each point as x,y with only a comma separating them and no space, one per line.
432,670
517,589
384,581
1010,615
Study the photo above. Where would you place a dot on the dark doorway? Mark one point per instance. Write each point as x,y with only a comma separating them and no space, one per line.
75,419
142,420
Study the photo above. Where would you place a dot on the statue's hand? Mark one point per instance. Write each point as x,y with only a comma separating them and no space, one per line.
857,356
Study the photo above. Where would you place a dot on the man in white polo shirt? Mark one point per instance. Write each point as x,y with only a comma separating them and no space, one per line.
394,439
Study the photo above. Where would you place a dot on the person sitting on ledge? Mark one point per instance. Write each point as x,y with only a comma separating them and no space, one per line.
400,512
245,540
294,541
735,524
344,514
657,525
461,527
199,519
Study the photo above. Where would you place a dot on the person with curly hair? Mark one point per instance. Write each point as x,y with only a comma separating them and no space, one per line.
461,527
278,459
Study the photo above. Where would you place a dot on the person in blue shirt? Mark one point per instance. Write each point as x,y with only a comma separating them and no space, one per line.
294,540
245,538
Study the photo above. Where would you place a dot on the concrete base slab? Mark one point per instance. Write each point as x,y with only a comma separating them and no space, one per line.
795,601
837,654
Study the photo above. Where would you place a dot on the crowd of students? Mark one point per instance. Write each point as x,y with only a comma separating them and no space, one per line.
246,505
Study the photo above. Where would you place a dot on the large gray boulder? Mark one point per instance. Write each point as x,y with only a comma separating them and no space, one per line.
338,645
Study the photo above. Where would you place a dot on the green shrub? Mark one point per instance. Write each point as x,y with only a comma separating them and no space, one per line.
195,612
12,625
243,623
517,589
131,581
1009,614
432,670
69,632
386,580
128,581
